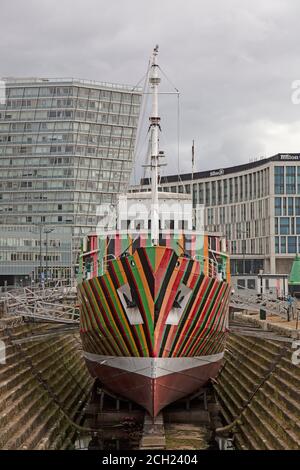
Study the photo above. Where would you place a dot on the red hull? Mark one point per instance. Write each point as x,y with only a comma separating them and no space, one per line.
153,393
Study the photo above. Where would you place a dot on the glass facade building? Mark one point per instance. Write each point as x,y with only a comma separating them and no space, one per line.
66,146
256,205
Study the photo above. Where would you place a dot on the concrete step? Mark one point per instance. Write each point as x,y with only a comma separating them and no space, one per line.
243,357
285,407
281,428
56,439
267,437
258,345
287,374
240,372
15,398
62,438
19,363
226,399
30,406
289,388
237,387
25,379
249,437
255,356
287,404
39,438
286,364
41,426
16,431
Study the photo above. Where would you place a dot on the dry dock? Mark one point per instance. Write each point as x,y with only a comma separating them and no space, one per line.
46,397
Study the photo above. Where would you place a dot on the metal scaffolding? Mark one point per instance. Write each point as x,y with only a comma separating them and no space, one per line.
55,304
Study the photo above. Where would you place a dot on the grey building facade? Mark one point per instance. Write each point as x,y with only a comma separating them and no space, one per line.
66,146
256,205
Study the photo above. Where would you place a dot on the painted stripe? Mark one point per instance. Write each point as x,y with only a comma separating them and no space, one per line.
153,367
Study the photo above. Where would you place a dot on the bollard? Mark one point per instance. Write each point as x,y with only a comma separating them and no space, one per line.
262,314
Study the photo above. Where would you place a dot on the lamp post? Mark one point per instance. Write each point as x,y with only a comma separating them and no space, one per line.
47,233
40,270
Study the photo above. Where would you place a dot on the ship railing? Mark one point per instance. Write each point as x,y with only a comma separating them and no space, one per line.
243,298
106,259
209,266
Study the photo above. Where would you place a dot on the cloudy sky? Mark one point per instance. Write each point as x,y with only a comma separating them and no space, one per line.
233,62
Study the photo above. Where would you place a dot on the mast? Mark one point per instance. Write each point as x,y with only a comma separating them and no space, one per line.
193,159
154,141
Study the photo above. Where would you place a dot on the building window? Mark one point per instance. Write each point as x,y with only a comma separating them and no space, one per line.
278,206
236,189
276,225
284,225
201,198
194,195
250,186
290,179
233,213
279,180
241,283
219,192
230,191
246,187
276,244
297,205
210,216
241,188
292,244
213,193
225,194
283,244
298,179
222,215
207,194
251,284
290,206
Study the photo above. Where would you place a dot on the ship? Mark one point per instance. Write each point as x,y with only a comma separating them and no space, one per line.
154,291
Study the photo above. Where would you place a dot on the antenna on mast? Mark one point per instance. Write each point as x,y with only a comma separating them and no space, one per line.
154,81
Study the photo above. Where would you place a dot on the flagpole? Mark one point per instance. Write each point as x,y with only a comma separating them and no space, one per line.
193,160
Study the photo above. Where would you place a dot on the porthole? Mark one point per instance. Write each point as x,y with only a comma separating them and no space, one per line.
132,263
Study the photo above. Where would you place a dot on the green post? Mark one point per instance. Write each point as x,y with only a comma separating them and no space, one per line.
262,314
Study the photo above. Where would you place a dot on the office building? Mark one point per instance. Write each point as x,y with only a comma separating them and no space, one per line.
66,146
256,205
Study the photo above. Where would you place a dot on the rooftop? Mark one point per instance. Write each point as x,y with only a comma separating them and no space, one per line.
290,157
69,81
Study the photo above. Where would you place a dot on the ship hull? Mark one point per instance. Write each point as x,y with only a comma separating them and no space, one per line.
148,384
153,326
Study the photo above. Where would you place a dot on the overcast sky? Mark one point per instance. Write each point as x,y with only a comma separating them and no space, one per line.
233,62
